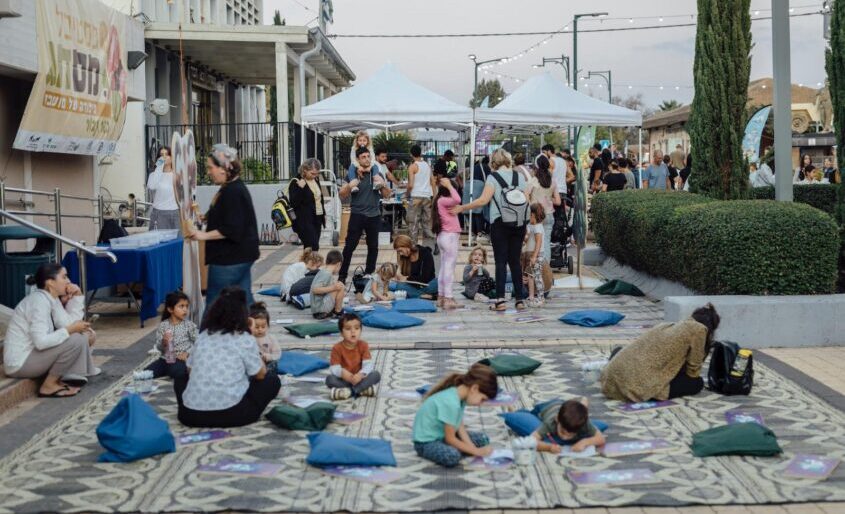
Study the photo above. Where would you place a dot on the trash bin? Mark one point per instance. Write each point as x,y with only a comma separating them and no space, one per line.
15,267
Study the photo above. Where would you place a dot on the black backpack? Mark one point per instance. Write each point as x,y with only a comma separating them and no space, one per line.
719,377
359,280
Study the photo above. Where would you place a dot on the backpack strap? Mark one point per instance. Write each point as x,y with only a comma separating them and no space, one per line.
514,178
499,179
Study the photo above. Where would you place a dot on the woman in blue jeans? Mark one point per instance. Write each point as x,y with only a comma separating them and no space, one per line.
416,269
231,232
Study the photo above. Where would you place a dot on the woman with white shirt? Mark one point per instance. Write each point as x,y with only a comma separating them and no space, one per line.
47,335
227,383
165,214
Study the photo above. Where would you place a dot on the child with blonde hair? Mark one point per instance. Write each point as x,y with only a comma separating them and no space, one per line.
377,288
308,261
531,259
478,284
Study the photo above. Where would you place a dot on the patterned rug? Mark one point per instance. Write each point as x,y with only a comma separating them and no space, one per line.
57,470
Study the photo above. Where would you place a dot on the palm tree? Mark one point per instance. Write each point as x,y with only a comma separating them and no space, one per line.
668,105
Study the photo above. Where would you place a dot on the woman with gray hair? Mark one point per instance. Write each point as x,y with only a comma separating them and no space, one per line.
231,232
306,198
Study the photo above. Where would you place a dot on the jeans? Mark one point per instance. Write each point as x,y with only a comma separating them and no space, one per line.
445,455
359,224
369,381
220,276
548,223
507,247
413,290
448,243
246,411
161,368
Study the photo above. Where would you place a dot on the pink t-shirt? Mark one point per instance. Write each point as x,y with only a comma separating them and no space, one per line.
448,221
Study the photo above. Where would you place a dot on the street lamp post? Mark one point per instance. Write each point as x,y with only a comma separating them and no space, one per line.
606,75
575,41
478,63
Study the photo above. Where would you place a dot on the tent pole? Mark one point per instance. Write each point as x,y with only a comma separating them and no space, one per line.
640,159
471,175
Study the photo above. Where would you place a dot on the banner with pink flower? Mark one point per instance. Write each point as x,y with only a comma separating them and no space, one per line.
78,101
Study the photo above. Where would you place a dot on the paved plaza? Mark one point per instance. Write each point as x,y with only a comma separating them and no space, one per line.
50,447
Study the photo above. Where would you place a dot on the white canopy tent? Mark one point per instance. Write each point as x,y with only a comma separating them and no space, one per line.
387,100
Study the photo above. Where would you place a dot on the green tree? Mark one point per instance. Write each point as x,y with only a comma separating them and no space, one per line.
835,66
398,145
717,120
488,88
668,105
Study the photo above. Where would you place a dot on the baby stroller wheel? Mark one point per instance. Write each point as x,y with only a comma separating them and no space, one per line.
570,264
335,238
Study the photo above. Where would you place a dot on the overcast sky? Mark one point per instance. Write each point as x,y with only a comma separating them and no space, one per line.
651,57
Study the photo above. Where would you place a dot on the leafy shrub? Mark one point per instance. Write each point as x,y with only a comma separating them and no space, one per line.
256,170
720,247
820,196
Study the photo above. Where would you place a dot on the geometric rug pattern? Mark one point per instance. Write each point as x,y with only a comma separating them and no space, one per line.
57,470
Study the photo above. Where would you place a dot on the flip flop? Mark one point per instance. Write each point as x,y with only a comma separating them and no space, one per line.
55,394
496,307
520,306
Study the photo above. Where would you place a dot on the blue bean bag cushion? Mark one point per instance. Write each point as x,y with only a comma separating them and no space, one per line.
335,450
414,305
522,422
132,431
391,320
271,291
298,363
592,318
366,312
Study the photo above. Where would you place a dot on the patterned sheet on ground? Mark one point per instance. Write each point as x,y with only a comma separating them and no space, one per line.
474,324
57,471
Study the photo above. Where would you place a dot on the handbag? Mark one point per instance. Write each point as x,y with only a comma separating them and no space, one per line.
359,280
721,376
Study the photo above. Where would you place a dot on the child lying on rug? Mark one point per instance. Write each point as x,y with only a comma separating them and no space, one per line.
175,337
439,433
566,423
268,348
351,364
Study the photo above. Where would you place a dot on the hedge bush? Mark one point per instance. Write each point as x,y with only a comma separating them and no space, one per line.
820,196
751,247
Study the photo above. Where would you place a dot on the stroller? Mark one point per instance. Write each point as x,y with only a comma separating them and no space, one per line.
561,232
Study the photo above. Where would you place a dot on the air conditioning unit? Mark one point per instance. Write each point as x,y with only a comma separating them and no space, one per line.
160,106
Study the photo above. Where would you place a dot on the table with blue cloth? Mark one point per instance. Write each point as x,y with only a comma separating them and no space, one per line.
158,267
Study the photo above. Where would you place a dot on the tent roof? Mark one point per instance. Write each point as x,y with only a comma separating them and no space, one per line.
545,101
388,99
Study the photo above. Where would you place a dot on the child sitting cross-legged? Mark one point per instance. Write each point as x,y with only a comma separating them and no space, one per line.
566,423
439,433
327,293
175,337
351,364
478,284
268,348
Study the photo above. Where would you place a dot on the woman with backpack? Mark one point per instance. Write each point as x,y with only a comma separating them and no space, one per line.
306,198
504,191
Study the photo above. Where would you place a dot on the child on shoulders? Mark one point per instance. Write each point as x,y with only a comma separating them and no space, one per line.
351,364
439,434
327,293
268,348
175,337
566,423
478,284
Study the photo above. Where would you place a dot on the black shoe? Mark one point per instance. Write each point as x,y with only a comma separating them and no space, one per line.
323,315
436,250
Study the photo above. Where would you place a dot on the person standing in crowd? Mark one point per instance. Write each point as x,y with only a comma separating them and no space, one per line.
560,174
657,174
506,240
420,189
366,189
480,172
571,176
519,166
683,175
165,213
384,167
543,190
231,232
481,169
596,169
306,198
673,172
831,174
606,157
762,176
614,152
804,172
677,157
625,168
615,180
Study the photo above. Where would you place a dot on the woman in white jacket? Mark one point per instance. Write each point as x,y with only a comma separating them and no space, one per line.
48,335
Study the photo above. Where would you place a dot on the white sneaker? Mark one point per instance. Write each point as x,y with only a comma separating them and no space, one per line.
370,391
341,393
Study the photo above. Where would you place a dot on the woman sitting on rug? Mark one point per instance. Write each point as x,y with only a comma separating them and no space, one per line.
416,269
664,362
227,384
48,336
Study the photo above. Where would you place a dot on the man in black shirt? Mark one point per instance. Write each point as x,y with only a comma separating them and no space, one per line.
673,171
365,211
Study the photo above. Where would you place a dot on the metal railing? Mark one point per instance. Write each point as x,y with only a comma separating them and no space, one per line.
81,250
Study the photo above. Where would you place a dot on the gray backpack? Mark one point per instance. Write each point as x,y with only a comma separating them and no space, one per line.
512,203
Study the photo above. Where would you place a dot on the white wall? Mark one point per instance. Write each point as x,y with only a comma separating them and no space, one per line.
263,197
18,51
125,172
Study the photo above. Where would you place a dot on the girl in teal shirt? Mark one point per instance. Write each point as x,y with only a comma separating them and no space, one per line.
439,433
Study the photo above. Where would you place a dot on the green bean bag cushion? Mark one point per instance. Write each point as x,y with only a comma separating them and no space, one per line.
313,329
511,364
617,287
737,439
313,418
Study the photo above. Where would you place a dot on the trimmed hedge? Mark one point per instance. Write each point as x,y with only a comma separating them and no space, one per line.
753,247
820,196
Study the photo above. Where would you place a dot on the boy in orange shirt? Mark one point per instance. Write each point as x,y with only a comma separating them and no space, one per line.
351,364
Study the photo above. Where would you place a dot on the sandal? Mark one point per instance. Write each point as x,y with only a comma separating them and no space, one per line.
450,304
520,305
499,306
55,394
